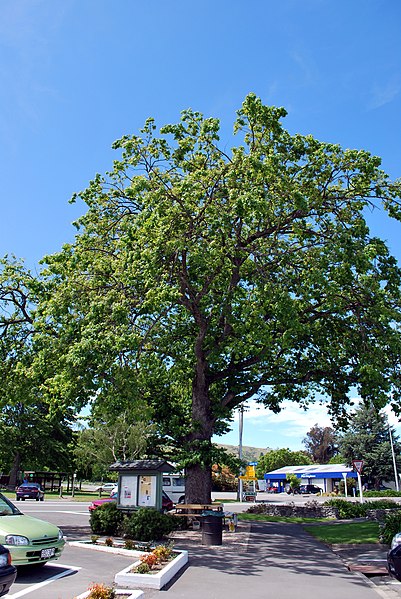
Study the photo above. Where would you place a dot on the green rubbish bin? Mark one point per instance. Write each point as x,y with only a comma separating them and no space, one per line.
212,527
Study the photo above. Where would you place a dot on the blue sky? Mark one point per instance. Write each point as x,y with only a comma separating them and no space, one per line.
78,74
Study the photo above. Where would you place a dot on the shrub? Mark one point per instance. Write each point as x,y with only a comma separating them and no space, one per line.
163,552
94,539
347,509
147,524
108,542
106,519
129,544
143,568
101,591
390,527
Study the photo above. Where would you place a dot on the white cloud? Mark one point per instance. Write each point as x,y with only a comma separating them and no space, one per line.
384,94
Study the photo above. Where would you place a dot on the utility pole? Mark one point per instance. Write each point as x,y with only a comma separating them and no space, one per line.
397,483
240,429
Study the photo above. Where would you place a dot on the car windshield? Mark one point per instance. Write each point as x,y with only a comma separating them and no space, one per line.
7,508
29,486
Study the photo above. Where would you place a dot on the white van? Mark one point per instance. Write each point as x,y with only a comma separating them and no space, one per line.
174,486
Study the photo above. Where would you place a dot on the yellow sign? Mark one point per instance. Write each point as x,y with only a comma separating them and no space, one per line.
250,471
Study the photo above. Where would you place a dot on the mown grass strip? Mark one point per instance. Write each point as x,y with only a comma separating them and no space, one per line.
347,533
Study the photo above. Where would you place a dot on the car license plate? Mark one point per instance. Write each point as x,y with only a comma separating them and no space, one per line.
26,496
47,552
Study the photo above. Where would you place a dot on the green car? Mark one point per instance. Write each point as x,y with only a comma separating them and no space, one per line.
30,541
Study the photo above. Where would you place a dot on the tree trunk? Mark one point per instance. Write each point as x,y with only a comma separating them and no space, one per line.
198,486
15,469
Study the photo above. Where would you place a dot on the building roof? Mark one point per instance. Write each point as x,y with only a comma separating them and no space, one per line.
143,465
313,471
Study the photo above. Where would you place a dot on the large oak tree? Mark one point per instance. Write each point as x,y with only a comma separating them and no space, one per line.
202,277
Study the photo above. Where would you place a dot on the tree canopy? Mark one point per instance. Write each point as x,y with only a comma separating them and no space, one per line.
279,458
202,277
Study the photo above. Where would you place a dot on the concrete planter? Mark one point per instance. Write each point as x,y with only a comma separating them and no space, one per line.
99,547
157,580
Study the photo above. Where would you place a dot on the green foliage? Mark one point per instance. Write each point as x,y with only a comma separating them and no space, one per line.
106,519
279,458
143,568
147,524
367,437
386,493
111,438
293,481
390,527
348,509
200,278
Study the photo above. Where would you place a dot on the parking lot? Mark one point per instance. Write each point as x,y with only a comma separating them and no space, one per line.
78,568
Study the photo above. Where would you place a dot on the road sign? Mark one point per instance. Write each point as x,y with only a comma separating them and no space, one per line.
358,465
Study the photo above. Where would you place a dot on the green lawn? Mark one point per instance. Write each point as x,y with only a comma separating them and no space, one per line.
347,533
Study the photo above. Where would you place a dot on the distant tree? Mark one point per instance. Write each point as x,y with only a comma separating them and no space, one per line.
34,433
293,481
223,478
367,438
105,442
337,459
279,458
34,439
321,443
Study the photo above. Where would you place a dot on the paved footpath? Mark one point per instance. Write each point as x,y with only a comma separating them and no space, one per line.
275,560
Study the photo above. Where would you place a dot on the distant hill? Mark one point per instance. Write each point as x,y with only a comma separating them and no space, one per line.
250,454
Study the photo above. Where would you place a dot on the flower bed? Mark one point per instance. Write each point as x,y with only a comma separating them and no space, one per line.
156,579
129,577
124,593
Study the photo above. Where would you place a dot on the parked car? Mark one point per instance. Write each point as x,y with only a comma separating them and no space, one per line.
106,487
291,490
95,504
167,504
8,572
29,491
394,557
305,489
271,489
30,541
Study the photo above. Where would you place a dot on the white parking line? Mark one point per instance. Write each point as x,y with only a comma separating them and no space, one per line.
39,585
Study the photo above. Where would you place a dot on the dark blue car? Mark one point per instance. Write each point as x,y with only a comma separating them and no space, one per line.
8,572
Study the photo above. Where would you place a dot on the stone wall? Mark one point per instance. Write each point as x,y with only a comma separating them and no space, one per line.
311,509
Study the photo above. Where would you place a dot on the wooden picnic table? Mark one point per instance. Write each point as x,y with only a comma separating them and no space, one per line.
193,511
